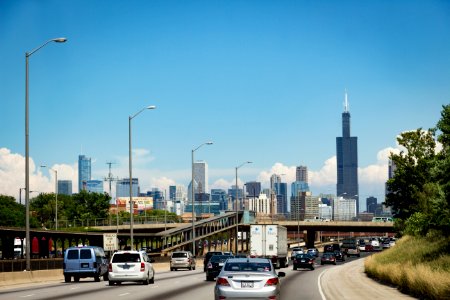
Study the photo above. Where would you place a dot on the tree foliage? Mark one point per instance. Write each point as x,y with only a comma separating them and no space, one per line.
11,212
419,192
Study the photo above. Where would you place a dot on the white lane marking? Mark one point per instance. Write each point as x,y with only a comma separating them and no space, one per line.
320,286
30,295
124,294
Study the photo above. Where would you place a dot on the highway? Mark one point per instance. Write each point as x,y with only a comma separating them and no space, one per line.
184,284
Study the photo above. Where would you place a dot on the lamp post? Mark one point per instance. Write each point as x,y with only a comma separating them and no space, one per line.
27,154
56,195
130,171
236,203
193,194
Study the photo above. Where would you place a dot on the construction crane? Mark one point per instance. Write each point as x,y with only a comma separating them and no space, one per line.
110,179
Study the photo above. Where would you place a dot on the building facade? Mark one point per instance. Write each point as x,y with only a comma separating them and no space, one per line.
347,160
371,203
94,186
344,209
253,188
65,187
84,171
123,187
301,173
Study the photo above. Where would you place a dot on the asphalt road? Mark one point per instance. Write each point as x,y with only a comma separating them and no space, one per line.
343,281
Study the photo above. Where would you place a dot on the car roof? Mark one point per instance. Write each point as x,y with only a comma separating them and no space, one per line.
128,251
248,259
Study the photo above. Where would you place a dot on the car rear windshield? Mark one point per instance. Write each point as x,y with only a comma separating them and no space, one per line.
179,254
126,257
217,258
253,267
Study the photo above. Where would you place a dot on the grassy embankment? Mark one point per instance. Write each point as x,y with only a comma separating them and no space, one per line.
417,266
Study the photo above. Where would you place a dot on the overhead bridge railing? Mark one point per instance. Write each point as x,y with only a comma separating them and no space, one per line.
180,237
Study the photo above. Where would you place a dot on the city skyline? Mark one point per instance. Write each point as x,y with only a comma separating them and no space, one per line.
264,81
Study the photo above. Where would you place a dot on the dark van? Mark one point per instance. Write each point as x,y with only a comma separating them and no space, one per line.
82,262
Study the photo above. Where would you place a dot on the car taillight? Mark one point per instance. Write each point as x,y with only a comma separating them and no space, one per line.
110,267
209,265
142,267
222,281
272,281
310,261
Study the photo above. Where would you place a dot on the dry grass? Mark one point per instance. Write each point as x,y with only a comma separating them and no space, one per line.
417,266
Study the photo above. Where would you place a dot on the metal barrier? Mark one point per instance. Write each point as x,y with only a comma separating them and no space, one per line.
17,265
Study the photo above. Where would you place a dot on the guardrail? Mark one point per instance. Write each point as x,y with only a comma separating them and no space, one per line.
17,265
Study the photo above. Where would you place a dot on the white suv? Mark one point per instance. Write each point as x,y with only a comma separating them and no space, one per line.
133,266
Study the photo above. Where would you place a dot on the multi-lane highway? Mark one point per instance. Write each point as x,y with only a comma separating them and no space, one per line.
300,284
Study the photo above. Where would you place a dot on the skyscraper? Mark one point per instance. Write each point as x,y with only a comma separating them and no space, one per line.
347,160
201,177
65,187
301,173
253,188
123,187
84,171
94,186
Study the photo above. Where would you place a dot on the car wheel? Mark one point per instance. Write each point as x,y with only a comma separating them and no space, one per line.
294,268
152,280
105,277
67,278
76,278
171,269
208,278
312,268
111,282
190,268
146,280
96,278
321,264
194,268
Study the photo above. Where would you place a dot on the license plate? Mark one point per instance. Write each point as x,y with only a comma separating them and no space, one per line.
85,265
221,264
302,260
247,284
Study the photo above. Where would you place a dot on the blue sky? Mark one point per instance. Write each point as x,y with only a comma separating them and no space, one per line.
264,80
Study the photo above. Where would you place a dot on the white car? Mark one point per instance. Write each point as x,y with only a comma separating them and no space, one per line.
134,266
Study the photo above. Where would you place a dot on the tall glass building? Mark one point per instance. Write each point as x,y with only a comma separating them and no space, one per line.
347,160
84,171
94,186
65,187
123,187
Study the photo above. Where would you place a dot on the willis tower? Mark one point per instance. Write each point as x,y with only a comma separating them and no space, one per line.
347,160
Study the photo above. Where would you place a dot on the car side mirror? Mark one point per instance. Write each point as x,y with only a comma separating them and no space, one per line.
281,274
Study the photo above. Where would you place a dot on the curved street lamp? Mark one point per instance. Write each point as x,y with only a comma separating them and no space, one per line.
27,154
193,195
130,172
236,201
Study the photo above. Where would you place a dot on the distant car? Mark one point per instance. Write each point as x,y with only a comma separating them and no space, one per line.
208,256
295,251
215,264
182,260
376,245
392,242
339,255
328,248
369,248
313,251
328,258
303,260
386,244
248,278
362,246
131,266
353,251
227,253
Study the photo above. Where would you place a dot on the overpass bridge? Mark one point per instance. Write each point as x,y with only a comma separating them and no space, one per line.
164,238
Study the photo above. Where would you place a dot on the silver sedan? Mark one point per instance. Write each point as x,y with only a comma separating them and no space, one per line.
248,278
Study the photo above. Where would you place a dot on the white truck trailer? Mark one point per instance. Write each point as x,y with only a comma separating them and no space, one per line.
269,241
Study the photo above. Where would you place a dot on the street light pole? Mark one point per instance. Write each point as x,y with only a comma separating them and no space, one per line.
236,203
27,153
193,194
130,172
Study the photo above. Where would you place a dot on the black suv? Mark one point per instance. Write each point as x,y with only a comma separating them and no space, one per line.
303,261
208,256
215,265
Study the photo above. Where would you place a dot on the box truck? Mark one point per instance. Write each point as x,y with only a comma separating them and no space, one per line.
269,241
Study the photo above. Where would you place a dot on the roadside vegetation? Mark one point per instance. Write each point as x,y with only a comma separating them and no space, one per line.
418,266
419,197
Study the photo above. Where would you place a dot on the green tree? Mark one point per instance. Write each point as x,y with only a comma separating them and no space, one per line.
406,192
89,206
11,213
